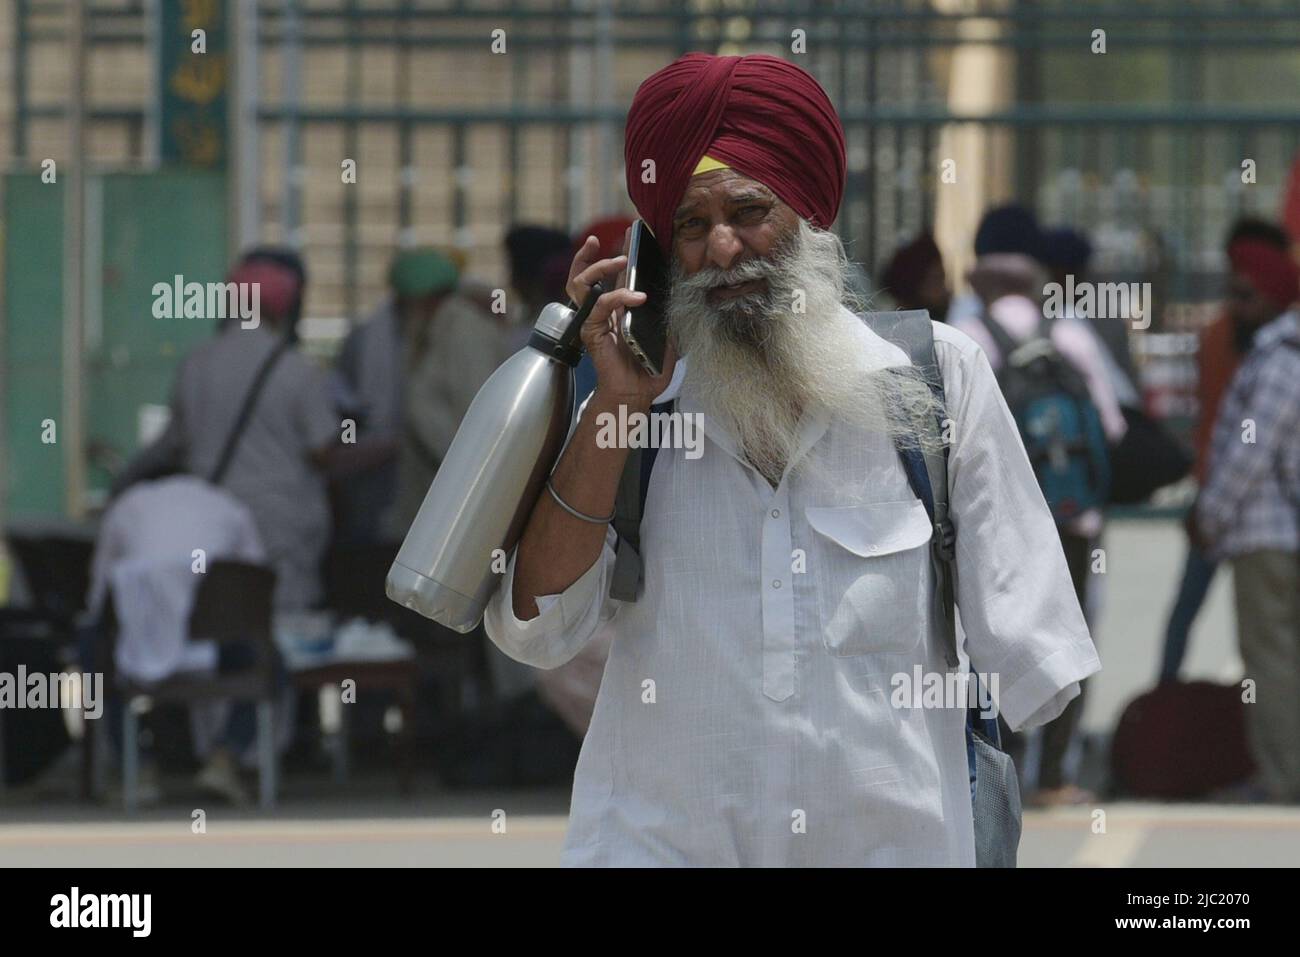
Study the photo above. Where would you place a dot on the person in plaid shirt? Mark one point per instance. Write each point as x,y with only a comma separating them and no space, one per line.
1249,510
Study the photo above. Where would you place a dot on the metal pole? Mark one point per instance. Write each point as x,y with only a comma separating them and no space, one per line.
291,96
607,199
574,135
244,193
72,435
408,176
1028,83
20,79
352,147
151,149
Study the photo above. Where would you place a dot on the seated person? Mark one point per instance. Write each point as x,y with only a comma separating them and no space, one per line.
155,541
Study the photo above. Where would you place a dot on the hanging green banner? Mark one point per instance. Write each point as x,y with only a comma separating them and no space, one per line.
193,78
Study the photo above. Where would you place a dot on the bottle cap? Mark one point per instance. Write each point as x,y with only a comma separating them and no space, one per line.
554,320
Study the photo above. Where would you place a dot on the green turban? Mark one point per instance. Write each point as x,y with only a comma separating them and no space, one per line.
416,273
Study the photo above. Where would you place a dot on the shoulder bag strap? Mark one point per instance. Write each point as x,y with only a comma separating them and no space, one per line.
246,412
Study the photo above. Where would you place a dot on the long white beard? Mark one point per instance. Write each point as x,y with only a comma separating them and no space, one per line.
757,361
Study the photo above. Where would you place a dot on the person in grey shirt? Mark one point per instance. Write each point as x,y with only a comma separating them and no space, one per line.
291,437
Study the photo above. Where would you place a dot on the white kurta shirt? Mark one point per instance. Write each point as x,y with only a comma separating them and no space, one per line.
745,713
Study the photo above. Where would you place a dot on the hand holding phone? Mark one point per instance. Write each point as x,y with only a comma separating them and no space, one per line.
644,327
618,373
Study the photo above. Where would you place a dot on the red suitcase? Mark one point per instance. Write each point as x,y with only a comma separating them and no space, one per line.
1181,740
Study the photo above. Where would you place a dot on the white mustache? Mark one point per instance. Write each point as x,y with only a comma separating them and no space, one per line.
712,277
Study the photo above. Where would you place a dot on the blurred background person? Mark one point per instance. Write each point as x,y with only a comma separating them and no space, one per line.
915,278
534,254
289,260
144,565
1067,253
373,369
277,457
1008,278
1222,345
455,350
1007,245
1249,510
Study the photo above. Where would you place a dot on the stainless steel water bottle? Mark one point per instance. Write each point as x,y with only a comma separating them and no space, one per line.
486,486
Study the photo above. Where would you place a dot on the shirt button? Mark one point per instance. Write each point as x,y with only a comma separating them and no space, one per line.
776,513
776,583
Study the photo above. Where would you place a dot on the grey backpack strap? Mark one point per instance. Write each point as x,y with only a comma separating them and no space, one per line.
912,332
625,583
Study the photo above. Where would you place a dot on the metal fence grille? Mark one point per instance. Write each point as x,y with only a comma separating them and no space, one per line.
1142,145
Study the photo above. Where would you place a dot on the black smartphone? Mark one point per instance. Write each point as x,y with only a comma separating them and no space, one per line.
644,328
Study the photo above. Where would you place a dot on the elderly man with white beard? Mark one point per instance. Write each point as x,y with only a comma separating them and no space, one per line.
745,716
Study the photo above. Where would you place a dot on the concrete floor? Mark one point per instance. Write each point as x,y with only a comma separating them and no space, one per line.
1136,835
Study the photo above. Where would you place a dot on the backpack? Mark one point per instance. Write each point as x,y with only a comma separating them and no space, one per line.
1059,425
995,791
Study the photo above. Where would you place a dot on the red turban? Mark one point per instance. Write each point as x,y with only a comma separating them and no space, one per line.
277,285
759,114
1271,270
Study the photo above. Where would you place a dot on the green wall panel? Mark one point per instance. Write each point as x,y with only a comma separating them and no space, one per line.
148,228
33,247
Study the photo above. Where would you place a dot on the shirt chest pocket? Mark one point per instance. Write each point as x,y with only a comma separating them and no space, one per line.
870,567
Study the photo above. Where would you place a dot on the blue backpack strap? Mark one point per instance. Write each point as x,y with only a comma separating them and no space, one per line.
927,466
628,577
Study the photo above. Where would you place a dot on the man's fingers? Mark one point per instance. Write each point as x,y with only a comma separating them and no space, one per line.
609,303
586,255
581,283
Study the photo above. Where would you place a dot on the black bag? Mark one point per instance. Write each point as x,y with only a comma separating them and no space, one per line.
33,738
1146,459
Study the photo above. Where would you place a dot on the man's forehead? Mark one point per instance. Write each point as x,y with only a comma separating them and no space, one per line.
727,184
